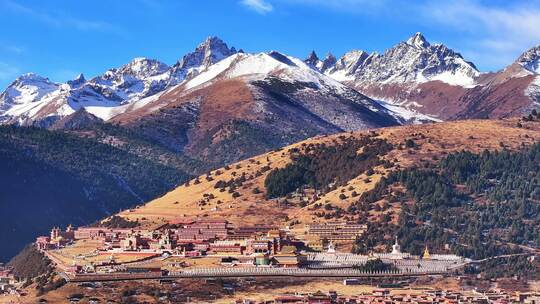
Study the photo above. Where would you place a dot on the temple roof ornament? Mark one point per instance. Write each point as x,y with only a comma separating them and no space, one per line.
426,254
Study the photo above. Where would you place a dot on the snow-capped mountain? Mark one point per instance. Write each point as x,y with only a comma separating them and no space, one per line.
266,68
26,96
211,51
139,78
265,99
413,81
26,89
35,100
411,61
530,60
431,79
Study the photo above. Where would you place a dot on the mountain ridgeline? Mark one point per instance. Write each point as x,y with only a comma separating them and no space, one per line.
414,81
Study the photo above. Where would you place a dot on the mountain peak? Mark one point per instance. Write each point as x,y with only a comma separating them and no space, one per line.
312,56
25,89
143,67
32,77
77,82
418,40
312,59
212,42
530,60
330,56
80,77
210,51
328,62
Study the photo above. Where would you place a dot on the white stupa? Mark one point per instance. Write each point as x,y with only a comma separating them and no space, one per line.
396,249
331,248
396,253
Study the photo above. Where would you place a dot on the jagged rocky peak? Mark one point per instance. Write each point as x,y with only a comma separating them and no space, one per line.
328,62
321,65
330,58
530,60
418,40
212,50
416,60
142,67
77,82
312,59
351,60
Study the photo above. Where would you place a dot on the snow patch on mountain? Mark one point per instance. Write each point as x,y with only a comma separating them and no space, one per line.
260,66
406,115
530,60
26,89
533,91
455,79
106,113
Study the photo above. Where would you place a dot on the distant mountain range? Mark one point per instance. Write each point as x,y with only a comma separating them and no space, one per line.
413,81
437,81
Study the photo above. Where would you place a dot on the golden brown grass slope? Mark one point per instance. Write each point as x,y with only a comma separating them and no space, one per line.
247,205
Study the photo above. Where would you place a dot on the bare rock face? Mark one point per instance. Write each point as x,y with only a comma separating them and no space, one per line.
211,51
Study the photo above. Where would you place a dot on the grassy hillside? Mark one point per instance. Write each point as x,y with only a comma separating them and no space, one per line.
411,181
55,178
238,191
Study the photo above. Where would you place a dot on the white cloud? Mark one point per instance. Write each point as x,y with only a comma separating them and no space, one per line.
260,6
7,71
492,36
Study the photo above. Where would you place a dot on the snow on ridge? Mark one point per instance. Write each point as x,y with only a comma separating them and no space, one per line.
533,90
455,79
404,114
258,65
530,60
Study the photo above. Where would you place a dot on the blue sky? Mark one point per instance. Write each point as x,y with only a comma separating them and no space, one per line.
60,39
